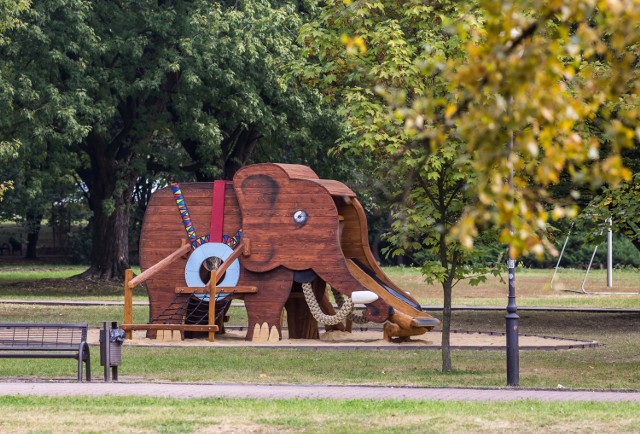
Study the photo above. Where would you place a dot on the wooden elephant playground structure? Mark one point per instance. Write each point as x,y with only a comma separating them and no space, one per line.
276,237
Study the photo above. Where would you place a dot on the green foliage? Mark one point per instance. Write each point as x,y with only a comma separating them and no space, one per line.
472,111
427,191
561,77
622,205
10,11
138,90
427,187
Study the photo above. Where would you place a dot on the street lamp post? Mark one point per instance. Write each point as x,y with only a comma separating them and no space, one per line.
512,318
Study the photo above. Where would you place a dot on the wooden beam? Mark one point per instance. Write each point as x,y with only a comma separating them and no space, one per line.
217,274
184,327
128,301
146,274
220,290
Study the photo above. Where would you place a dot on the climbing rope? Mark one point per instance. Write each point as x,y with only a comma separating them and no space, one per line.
345,308
354,316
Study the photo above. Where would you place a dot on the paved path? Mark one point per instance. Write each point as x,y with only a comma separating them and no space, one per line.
276,391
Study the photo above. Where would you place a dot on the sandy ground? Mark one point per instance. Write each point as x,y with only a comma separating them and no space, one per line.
360,339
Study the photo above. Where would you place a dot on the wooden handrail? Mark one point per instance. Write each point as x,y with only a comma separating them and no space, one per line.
146,274
235,255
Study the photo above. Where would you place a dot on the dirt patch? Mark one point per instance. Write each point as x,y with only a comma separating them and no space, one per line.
370,339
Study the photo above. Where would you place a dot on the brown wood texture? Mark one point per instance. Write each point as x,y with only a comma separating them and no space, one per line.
335,188
262,201
163,232
355,243
269,198
300,322
212,290
296,171
128,301
266,305
276,240
219,290
402,309
217,275
183,327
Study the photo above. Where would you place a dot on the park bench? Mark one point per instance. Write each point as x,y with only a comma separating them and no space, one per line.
16,246
46,341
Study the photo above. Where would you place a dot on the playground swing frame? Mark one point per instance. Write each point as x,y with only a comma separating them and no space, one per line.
582,289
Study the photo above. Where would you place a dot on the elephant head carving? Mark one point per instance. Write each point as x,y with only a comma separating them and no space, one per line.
291,222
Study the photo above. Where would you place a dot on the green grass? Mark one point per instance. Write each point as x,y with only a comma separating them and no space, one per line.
533,288
614,365
17,273
134,414
584,301
92,315
50,282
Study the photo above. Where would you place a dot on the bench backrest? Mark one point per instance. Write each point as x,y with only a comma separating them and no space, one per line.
35,336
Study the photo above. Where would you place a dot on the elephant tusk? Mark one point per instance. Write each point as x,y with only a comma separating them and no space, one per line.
363,297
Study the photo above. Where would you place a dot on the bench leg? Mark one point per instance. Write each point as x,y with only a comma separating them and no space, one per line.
84,357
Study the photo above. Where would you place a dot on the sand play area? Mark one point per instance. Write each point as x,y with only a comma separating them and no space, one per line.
365,339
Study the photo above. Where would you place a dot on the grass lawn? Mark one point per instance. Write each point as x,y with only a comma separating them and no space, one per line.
38,281
613,365
152,415
42,282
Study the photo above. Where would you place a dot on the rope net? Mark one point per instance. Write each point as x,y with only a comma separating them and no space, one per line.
188,309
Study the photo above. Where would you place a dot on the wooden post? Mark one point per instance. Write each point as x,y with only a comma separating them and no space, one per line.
212,303
128,302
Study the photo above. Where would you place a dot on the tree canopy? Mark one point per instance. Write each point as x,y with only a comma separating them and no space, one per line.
132,88
474,111
9,19
426,188
560,76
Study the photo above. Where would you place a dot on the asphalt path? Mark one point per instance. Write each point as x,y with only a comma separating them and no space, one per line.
290,391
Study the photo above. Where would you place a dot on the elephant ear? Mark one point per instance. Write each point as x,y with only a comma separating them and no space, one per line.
289,219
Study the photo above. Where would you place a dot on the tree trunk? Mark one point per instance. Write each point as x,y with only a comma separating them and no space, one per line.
237,150
446,327
34,223
110,196
110,239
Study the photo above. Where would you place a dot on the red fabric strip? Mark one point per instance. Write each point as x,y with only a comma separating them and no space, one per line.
217,211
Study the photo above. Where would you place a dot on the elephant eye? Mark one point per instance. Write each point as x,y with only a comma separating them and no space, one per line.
300,217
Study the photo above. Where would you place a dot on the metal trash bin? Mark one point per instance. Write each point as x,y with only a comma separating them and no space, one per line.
111,339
